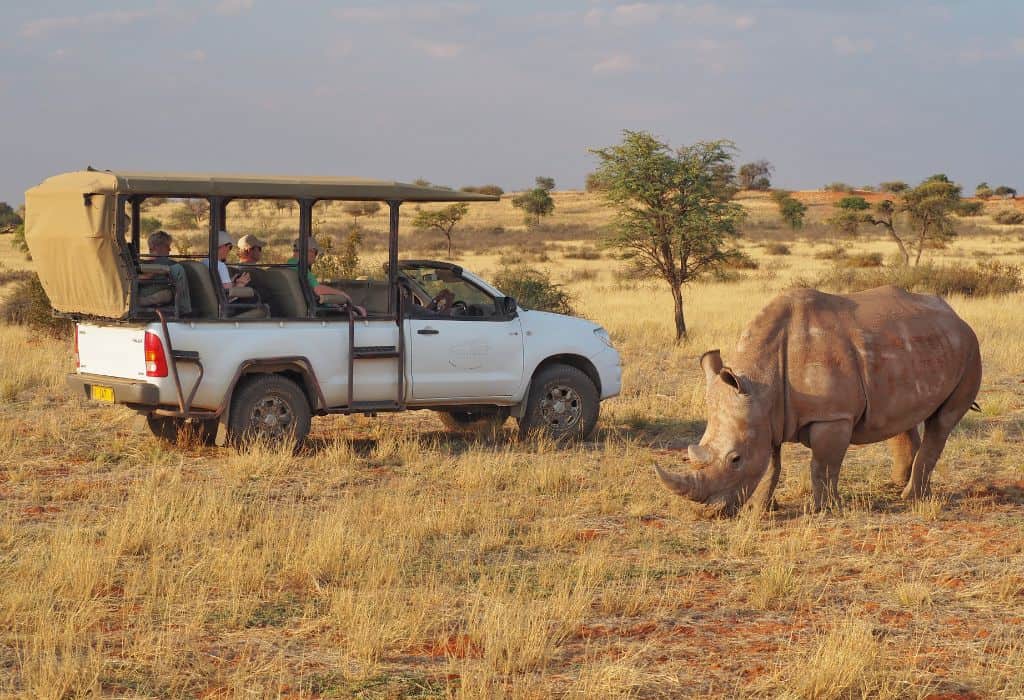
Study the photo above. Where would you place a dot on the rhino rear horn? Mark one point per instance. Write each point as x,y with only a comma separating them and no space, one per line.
711,363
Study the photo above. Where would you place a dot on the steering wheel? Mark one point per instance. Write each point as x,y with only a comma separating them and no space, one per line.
460,308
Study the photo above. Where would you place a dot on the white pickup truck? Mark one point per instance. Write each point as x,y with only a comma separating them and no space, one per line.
264,365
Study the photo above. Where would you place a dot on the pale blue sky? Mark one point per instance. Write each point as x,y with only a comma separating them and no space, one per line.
476,92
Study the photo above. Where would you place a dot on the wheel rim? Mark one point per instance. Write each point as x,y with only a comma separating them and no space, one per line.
561,408
272,416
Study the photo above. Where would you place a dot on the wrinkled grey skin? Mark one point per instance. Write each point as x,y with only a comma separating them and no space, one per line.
829,371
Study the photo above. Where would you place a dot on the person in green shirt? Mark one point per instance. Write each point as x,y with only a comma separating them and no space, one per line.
320,289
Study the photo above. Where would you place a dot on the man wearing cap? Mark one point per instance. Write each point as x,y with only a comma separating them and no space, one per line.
320,289
160,250
224,244
250,249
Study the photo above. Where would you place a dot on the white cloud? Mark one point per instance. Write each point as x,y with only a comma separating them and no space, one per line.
614,64
439,49
233,7
845,46
424,12
195,56
37,28
637,13
744,22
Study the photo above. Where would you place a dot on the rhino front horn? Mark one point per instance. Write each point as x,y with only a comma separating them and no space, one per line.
684,485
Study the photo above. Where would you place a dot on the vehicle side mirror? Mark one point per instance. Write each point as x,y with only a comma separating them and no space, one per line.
508,306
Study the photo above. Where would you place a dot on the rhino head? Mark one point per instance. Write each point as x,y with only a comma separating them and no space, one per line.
736,448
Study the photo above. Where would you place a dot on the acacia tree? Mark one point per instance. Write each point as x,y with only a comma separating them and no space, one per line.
791,209
674,216
537,202
444,220
756,175
926,210
358,209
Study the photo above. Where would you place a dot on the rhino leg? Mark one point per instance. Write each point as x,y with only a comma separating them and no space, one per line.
829,441
938,427
761,500
903,447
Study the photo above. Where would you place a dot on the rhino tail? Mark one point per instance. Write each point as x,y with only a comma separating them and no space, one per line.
976,407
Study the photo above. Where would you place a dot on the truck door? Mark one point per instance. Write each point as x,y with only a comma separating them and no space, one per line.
465,348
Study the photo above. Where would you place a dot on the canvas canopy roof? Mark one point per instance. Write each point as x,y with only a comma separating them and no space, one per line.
263,186
71,223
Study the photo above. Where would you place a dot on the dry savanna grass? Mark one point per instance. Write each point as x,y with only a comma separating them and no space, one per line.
391,559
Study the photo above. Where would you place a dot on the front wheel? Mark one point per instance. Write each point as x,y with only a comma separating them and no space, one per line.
269,408
563,404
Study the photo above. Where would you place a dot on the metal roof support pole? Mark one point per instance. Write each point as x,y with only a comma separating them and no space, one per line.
216,224
302,254
393,257
136,208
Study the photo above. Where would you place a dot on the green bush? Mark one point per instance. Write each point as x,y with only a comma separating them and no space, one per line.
1009,216
28,305
984,279
777,249
149,224
534,289
18,241
838,187
739,260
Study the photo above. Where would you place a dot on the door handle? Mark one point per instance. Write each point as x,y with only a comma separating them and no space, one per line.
428,331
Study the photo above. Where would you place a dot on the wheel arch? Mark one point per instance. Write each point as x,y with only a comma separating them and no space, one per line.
578,361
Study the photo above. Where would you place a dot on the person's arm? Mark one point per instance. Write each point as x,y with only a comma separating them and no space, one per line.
322,289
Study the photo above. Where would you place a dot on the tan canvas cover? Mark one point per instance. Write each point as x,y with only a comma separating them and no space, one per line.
72,237
73,244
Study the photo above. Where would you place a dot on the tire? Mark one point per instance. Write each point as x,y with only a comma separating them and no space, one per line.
563,404
474,422
271,408
182,431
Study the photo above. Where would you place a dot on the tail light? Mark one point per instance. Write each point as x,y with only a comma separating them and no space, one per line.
78,362
156,361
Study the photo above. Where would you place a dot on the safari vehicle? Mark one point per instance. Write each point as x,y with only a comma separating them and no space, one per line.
264,359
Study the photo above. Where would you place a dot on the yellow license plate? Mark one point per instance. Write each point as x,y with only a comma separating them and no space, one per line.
102,393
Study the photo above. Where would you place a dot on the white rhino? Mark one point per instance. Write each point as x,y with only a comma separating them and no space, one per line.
830,371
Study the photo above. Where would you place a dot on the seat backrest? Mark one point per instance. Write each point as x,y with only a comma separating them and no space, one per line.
370,294
200,286
279,288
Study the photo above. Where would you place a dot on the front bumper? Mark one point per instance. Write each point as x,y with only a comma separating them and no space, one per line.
126,391
609,367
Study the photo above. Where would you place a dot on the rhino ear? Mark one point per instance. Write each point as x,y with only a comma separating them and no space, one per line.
711,363
733,380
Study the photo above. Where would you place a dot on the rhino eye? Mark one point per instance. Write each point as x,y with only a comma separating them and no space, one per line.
734,460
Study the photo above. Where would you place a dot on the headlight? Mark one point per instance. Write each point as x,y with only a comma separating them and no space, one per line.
603,335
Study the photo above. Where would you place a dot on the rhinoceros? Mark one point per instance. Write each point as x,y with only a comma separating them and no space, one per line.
829,371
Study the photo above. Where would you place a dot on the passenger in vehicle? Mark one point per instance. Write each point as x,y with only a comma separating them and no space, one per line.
159,243
250,249
224,244
321,289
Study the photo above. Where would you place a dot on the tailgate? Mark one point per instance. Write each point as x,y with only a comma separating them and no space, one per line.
113,351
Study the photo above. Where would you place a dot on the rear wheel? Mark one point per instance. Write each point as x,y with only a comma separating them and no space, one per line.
474,422
182,431
563,404
269,408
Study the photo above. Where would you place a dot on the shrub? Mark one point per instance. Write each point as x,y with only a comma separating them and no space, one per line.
831,253
968,208
182,218
739,260
8,276
984,279
492,190
776,249
1009,216
28,305
894,186
9,218
18,241
582,253
149,224
860,260
534,289
838,187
